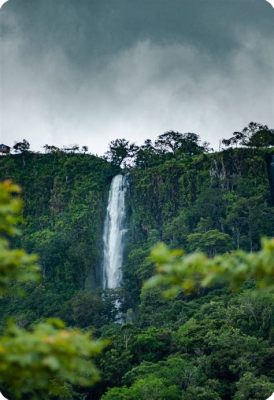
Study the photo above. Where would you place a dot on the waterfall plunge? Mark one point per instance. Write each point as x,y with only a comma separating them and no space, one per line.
114,231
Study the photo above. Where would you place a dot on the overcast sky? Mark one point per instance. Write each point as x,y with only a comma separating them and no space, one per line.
89,71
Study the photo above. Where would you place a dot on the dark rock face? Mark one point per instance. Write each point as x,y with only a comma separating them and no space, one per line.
271,176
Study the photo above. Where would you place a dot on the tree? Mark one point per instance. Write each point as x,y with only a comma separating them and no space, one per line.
84,149
93,309
176,370
253,388
200,393
21,147
211,242
262,138
71,149
169,141
43,360
146,155
253,129
253,135
50,149
120,151
75,148
172,142
152,344
147,388
234,140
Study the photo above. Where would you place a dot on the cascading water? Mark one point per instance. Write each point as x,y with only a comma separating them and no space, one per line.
114,232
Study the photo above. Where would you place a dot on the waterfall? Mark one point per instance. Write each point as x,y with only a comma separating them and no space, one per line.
114,232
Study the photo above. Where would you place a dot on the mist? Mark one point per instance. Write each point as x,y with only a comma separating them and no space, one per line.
142,89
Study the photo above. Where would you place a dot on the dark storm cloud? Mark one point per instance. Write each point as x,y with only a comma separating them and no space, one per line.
88,70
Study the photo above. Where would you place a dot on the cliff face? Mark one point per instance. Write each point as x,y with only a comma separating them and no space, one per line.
271,175
211,202
65,200
205,187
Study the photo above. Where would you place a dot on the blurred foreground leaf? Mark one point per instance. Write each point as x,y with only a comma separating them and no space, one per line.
180,272
45,360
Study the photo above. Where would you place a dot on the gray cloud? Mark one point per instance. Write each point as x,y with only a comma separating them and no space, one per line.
101,72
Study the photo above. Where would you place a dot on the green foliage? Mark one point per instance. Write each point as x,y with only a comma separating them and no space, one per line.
176,370
151,387
215,202
253,388
176,142
151,344
211,242
208,342
147,155
188,272
10,207
43,359
119,151
62,193
21,147
15,264
93,309
200,393
253,135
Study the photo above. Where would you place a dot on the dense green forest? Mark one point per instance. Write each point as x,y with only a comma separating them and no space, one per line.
210,344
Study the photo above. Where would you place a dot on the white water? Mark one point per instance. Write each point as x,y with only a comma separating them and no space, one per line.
114,232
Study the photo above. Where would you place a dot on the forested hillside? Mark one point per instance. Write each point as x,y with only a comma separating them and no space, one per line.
213,344
63,193
210,202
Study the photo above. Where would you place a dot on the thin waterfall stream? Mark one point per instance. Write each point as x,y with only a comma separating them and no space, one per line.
114,232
